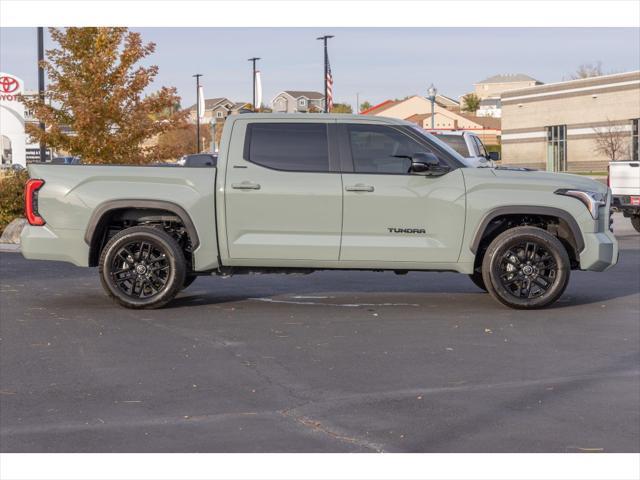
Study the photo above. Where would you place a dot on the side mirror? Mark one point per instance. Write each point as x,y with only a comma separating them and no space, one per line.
495,156
426,163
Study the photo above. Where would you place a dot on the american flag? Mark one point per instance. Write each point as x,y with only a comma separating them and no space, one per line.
329,81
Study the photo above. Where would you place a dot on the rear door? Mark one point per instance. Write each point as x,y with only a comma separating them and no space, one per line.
283,192
390,214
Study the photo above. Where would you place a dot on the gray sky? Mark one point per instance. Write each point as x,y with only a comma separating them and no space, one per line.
379,63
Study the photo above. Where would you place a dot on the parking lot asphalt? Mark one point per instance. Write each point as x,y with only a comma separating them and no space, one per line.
329,362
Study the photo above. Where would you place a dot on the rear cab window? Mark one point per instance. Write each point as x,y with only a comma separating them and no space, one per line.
298,147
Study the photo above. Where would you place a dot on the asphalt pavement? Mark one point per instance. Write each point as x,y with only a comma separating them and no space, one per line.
328,362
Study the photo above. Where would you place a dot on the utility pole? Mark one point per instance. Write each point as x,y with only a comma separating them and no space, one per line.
326,70
358,103
43,153
254,60
198,75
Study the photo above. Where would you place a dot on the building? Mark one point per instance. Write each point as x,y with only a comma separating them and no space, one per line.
217,109
295,101
417,109
495,86
555,126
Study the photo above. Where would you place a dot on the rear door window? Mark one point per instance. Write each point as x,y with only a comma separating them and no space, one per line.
299,147
456,142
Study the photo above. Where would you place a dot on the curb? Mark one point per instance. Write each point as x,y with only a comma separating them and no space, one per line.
9,248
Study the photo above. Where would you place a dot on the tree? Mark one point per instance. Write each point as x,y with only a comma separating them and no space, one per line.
612,141
341,108
470,103
365,106
94,106
180,141
587,70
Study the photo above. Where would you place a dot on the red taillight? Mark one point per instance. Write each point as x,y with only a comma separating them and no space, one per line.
31,201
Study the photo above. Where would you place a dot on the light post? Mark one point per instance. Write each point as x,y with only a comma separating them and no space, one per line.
198,75
43,147
327,73
431,95
254,60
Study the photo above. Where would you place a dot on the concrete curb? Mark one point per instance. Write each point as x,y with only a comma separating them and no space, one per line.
9,247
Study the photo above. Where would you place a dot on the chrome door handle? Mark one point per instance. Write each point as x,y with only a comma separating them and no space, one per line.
359,188
246,186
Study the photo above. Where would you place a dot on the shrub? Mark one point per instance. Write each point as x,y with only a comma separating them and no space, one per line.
11,196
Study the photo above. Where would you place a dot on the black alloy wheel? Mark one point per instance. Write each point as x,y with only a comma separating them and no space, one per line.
142,267
526,267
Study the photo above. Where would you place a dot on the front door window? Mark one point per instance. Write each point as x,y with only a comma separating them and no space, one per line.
557,148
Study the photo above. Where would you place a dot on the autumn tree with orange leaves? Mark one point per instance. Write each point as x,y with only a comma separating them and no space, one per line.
95,107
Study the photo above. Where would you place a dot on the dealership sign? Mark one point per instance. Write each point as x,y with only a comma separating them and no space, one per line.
11,88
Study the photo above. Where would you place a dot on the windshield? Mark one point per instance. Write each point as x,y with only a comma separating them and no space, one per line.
457,142
443,145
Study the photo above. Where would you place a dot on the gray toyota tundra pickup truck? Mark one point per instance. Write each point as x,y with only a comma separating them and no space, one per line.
297,193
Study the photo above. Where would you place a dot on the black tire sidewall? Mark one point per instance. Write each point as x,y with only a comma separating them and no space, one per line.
635,222
161,240
491,267
478,280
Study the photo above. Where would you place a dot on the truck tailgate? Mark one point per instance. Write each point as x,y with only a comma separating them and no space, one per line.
624,178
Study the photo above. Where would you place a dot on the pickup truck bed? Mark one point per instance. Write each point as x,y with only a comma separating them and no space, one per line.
624,181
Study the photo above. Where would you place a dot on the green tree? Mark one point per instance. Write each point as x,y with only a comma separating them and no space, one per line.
341,108
365,106
96,92
470,103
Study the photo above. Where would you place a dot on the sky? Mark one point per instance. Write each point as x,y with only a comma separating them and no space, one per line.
375,63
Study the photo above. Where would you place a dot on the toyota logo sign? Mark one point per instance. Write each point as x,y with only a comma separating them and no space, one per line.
10,87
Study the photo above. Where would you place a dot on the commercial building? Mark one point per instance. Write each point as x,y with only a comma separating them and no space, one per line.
490,89
557,126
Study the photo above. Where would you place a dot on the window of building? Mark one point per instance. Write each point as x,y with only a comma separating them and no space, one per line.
219,114
557,148
635,148
302,102
288,146
379,149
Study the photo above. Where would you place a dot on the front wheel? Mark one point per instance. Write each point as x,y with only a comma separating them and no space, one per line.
526,268
635,221
142,267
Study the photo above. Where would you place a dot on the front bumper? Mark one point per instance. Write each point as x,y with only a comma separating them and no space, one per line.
600,251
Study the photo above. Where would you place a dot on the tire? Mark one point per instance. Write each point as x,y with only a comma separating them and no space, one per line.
476,278
526,268
128,266
635,221
188,280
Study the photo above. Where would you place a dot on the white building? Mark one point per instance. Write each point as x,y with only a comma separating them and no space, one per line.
12,120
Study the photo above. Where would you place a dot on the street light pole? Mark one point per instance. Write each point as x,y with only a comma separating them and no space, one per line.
198,75
432,92
324,38
43,153
254,60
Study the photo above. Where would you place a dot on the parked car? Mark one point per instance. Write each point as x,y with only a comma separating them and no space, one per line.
624,180
199,160
469,145
66,160
312,192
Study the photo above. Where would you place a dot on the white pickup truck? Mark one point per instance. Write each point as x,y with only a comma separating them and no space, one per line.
469,145
624,181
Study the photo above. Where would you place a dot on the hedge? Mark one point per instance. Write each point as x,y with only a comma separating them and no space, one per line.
11,196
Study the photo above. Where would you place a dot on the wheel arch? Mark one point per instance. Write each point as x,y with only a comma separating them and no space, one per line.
99,221
569,229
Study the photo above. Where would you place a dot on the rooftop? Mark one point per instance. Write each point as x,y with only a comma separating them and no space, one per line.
305,93
509,77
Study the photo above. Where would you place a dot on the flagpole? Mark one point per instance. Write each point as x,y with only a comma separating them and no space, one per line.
326,70
198,75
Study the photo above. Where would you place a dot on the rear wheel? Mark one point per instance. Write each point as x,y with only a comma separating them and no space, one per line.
635,221
142,267
526,268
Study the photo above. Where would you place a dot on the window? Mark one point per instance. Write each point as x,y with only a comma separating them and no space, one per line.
302,102
219,114
481,150
456,142
557,148
379,149
635,148
288,146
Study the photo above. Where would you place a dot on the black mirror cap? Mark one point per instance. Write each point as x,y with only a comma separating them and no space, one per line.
426,163
495,156
426,158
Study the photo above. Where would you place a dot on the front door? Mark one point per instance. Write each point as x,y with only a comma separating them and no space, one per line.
283,198
390,214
